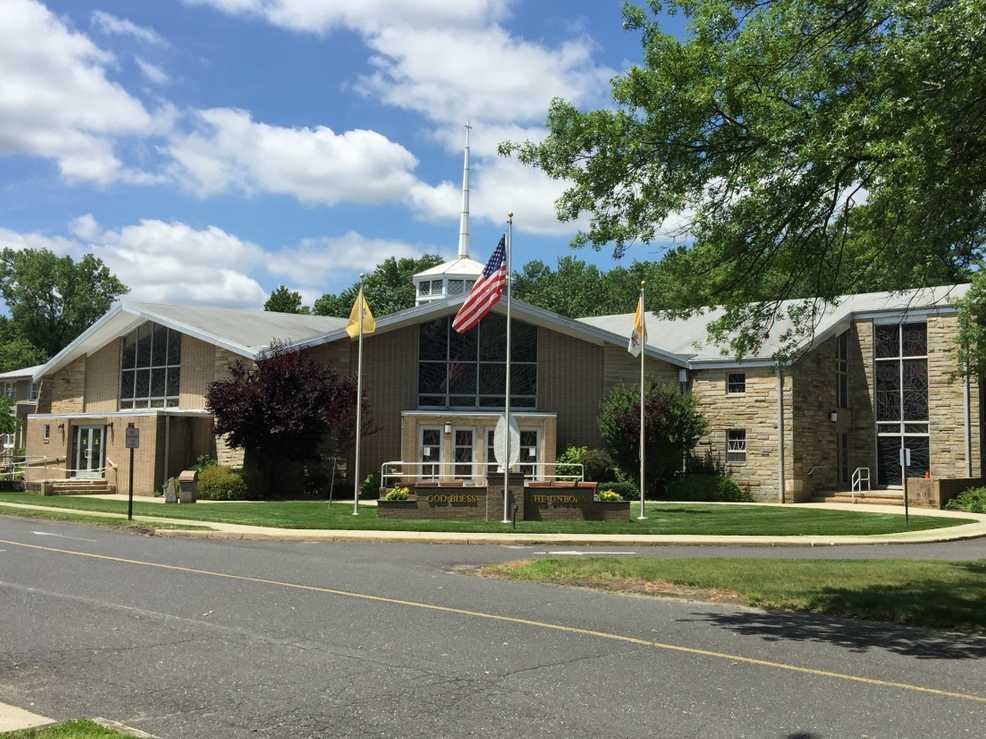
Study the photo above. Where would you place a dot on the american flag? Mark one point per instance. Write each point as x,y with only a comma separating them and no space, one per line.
485,293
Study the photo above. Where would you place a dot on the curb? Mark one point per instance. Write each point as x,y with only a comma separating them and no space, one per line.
387,537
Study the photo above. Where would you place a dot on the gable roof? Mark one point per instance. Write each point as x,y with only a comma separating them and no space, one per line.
246,333
24,373
688,337
519,309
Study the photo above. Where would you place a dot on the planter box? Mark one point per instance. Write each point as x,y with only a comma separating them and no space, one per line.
437,502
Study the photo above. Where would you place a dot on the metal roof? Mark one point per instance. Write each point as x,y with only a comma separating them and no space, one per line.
688,337
25,373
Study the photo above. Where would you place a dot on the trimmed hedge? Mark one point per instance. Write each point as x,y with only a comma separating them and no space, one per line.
972,500
221,483
705,487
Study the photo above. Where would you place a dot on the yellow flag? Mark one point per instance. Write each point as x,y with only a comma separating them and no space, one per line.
369,324
639,336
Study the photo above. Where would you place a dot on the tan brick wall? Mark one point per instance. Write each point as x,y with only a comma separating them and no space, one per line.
147,469
622,368
570,384
103,379
56,448
198,367
67,388
756,412
946,404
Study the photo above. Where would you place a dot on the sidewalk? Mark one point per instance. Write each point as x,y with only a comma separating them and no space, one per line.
13,718
241,531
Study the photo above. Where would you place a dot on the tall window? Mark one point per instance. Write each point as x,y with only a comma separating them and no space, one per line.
736,445
150,367
736,382
842,371
901,358
469,371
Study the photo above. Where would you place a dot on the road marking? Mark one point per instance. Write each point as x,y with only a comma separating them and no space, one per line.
63,536
592,553
610,636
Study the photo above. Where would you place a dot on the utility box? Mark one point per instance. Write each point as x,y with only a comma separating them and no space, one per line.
187,483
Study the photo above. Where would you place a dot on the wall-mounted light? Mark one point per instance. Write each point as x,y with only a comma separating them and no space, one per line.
834,416
448,428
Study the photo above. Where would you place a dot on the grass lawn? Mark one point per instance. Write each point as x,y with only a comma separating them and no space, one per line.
66,730
947,595
671,518
116,523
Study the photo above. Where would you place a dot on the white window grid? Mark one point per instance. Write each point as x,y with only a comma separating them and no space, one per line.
151,400
736,382
736,445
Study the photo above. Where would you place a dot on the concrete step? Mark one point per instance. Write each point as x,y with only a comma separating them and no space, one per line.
78,487
878,497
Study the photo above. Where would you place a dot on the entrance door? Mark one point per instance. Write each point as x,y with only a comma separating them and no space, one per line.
88,452
464,454
430,448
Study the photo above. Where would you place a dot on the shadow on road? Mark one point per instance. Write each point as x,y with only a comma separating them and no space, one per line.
857,636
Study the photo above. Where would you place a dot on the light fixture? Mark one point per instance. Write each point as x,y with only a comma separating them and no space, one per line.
834,416
448,428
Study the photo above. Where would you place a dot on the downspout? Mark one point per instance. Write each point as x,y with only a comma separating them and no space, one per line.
780,430
968,428
167,446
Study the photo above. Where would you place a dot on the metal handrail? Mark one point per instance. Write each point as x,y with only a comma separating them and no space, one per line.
397,471
858,479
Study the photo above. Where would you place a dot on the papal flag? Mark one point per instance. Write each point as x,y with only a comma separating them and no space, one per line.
360,307
639,336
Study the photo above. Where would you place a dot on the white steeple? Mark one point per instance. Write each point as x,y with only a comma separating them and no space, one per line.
464,218
451,279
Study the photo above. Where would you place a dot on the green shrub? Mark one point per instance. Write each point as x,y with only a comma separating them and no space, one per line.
398,493
596,464
972,500
370,489
221,483
610,496
203,461
706,487
626,490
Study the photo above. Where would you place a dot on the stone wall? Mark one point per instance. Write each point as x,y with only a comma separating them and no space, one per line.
755,411
814,450
67,388
225,454
947,404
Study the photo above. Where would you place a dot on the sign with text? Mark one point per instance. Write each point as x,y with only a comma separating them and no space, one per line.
132,438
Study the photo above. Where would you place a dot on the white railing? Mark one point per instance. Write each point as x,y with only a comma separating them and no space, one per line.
859,476
20,465
397,472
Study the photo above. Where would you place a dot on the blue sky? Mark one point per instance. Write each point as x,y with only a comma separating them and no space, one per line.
209,150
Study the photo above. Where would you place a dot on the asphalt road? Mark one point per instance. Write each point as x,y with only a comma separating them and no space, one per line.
186,638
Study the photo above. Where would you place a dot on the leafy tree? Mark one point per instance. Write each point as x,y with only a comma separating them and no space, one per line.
577,289
288,407
808,148
283,300
673,425
53,299
16,352
388,288
8,417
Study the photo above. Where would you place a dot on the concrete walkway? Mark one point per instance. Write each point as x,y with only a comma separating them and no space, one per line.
214,530
13,718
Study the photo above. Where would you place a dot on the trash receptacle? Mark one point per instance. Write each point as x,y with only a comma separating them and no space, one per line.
187,483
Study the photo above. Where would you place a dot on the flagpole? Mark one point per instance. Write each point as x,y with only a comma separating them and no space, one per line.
359,396
643,342
506,466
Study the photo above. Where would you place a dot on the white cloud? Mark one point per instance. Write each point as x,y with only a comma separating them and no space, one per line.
228,151
112,25
173,262
55,100
152,72
314,261
320,16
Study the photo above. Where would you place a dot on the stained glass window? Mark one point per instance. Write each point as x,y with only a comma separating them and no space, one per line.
468,371
150,367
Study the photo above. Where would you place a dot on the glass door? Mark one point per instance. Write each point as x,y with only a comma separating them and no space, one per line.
464,455
88,452
431,453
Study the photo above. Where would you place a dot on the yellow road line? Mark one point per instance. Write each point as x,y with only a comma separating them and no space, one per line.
695,651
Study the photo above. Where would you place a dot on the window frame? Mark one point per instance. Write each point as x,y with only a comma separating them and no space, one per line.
842,370
737,449
150,399
525,401
731,385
